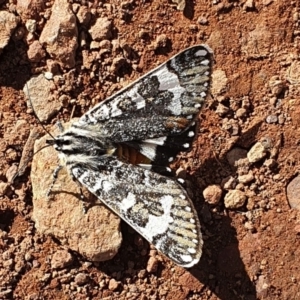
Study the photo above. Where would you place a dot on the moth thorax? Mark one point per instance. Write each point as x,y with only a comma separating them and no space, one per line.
130,155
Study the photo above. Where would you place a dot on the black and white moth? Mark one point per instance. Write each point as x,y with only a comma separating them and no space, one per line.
156,117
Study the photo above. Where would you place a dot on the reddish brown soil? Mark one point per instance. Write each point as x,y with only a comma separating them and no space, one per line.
239,262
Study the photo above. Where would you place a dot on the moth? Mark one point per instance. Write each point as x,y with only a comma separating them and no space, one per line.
120,151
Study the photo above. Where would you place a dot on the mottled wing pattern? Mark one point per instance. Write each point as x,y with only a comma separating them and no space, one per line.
154,205
155,115
164,102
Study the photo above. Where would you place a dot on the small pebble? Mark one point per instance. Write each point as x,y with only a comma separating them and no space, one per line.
272,119
234,199
152,265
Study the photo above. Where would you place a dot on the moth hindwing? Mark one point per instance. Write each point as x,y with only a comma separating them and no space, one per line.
154,116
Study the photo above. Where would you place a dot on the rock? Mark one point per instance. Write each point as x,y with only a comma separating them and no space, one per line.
113,284
258,42
249,4
84,15
102,29
246,178
180,4
117,63
161,41
219,82
95,234
229,183
35,52
234,155
30,9
262,287
256,153
11,173
81,278
38,89
61,259
152,265
31,25
293,72
212,194
270,163
222,110
8,22
48,75
202,20
272,119
293,192
231,126
3,188
234,199
27,152
276,85
241,112
60,34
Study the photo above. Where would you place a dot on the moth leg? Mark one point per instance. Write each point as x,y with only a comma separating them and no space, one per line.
85,204
79,186
54,176
60,126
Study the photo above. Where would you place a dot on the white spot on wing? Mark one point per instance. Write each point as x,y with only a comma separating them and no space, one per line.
205,62
128,202
149,150
192,250
180,180
186,258
201,52
191,134
136,97
157,141
158,225
107,186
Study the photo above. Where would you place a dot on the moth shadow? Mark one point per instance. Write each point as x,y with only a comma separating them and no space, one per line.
14,69
222,267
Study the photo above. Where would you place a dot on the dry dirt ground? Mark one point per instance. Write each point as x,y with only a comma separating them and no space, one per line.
250,247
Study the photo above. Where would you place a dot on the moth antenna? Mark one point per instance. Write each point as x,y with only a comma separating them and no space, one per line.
46,146
35,114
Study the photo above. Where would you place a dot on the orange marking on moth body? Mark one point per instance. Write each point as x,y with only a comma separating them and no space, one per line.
130,155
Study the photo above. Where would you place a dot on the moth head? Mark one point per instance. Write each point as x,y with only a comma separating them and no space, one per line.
73,144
